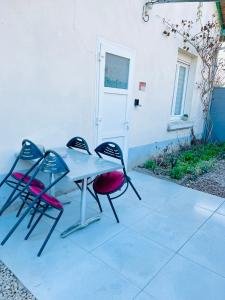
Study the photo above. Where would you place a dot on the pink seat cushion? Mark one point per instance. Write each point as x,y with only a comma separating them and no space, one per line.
109,182
34,182
47,198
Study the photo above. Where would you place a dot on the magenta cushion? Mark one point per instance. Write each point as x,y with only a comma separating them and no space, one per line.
47,198
26,179
109,182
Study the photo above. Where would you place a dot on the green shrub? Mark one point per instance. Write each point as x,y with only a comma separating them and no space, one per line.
194,160
189,156
150,165
204,167
178,171
192,171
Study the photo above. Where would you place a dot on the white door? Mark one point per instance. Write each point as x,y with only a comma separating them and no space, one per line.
114,91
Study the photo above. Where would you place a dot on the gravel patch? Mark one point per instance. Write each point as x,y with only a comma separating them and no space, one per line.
10,287
212,182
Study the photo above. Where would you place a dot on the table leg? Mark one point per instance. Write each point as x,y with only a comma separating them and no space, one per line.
83,202
83,221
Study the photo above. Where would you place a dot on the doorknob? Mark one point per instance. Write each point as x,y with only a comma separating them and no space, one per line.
98,121
127,125
100,56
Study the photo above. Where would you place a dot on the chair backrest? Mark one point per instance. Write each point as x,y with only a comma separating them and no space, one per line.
78,143
110,149
30,151
53,163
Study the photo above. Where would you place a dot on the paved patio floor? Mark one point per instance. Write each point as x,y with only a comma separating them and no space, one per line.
169,246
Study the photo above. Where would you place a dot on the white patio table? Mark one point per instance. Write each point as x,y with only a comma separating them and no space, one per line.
83,166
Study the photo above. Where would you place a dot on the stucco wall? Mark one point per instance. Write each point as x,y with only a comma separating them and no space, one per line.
48,69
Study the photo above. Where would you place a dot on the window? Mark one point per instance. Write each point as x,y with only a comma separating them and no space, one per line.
116,71
180,88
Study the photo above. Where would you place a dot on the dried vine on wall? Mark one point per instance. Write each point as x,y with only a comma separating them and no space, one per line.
206,42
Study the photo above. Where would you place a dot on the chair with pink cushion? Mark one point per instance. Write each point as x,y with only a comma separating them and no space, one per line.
17,180
55,166
112,182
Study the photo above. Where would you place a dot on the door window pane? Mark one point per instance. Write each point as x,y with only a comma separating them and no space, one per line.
116,71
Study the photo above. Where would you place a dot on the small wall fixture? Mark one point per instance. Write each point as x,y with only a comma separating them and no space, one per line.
146,8
148,5
137,103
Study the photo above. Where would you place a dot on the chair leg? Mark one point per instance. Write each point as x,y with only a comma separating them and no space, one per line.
136,192
49,234
36,222
95,196
4,207
22,205
8,202
4,180
33,213
77,184
20,209
98,201
17,224
92,194
11,199
113,209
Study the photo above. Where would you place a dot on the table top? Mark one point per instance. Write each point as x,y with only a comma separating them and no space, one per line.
82,165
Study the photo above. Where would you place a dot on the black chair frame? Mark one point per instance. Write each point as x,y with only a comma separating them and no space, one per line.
52,163
111,149
29,152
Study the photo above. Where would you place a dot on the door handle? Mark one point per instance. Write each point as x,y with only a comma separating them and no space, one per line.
126,125
101,56
98,121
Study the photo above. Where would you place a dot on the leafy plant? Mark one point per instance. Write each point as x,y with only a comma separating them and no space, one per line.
151,165
178,171
188,156
193,160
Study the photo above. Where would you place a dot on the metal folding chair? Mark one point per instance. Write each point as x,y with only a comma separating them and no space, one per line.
80,143
17,180
52,164
112,182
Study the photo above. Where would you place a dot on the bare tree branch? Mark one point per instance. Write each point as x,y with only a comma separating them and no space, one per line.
207,44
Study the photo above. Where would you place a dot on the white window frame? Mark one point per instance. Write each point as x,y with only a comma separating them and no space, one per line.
187,67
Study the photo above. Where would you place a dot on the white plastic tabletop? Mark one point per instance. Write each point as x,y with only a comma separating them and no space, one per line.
82,165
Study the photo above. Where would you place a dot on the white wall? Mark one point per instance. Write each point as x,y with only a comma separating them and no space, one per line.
48,69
